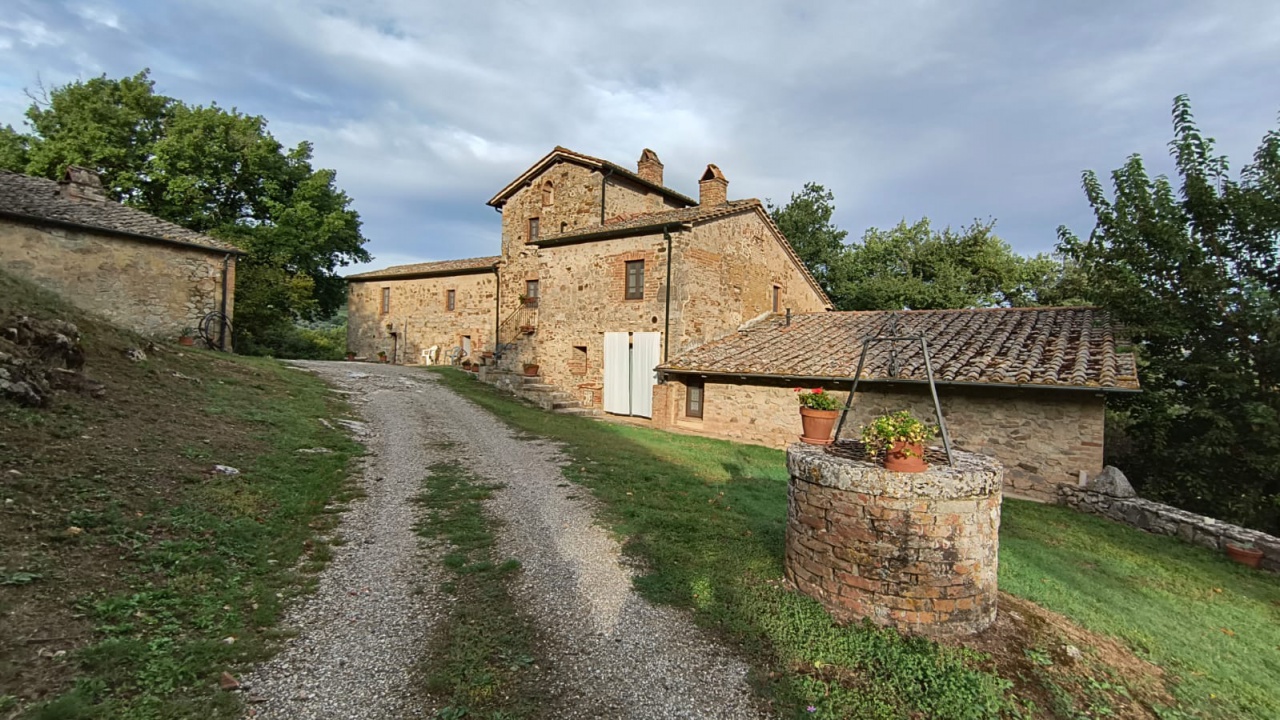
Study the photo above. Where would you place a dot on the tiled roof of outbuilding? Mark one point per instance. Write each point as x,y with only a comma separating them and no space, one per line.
443,267
36,199
1048,347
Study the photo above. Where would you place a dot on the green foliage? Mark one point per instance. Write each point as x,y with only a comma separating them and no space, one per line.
1193,273
882,432
817,399
14,149
806,223
213,170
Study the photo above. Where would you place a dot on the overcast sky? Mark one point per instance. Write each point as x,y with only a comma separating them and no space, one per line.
951,110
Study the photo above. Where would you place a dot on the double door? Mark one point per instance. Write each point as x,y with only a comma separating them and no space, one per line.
629,375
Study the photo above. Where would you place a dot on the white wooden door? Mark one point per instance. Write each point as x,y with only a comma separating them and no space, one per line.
617,373
645,351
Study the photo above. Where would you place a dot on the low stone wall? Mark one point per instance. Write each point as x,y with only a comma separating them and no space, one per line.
1163,519
917,551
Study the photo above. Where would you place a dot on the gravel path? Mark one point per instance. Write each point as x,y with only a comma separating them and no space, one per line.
608,652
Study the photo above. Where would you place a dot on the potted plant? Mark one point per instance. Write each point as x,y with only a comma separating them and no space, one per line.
530,370
188,337
382,356
1244,553
351,355
818,414
527,329
527,301
900,437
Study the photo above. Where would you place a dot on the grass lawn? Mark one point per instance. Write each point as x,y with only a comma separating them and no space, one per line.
706,519
131,576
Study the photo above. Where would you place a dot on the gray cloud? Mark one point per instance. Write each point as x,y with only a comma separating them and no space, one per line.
951,110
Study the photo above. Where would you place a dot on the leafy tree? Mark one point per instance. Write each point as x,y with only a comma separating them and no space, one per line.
14,148
216,171
1194,274
806,223
914,266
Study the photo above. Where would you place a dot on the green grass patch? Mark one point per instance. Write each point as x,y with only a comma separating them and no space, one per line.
1211,623
481,660
706,519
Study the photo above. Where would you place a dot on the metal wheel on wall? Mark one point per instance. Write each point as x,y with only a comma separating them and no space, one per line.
215,330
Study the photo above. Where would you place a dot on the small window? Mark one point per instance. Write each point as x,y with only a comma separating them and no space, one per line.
548,193
386,300
533,229
564,227
531,290
451,300
578,360
693,399
777,299
635,280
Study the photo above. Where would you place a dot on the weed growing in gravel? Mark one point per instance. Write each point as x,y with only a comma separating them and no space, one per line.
481,660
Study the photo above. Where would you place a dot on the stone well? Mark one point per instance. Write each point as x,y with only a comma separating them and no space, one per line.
917,551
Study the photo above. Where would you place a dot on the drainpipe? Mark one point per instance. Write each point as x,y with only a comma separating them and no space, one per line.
666,335
497,310
222,326
604,181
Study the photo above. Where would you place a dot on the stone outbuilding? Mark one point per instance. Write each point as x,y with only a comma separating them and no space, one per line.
604,273
1027,386
136,270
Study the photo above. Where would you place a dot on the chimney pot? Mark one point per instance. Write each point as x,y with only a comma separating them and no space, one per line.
79,183
650,167
713,188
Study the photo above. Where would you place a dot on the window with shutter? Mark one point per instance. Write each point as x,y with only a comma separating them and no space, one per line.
635,280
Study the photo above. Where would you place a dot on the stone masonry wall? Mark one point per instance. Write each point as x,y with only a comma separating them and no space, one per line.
154,288
419,316
1163,519
1044,438
916,551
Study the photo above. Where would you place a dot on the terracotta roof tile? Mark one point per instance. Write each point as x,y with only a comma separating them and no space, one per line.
39,199
443,267
1052,347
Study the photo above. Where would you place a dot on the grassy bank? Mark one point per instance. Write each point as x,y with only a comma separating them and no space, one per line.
706,518
131,574
481,663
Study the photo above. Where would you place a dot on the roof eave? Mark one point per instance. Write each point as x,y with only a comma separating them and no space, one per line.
84,227
369,277
889,381
500,199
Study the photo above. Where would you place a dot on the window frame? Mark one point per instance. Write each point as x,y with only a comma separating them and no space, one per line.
451,300
532,289
689,387
386,301
533,229
777,299
627,292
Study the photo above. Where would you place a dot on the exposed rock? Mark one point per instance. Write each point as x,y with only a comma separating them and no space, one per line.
314,451
228,682
38,357
225,470
1112,482
135,355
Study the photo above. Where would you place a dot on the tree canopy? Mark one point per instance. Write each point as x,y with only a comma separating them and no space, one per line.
1193,273
213,170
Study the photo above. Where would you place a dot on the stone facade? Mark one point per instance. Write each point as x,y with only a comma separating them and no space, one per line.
1044,438
1163,519
153,288
417,316
916,551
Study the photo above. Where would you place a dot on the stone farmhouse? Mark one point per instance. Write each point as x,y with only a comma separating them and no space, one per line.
633,300
136,270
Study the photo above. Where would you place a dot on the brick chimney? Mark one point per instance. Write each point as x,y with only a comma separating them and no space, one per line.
82,184
650,167
713,189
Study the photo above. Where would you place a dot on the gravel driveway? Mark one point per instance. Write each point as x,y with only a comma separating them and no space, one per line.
608,652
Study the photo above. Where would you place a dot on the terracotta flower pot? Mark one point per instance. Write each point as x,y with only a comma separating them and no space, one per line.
187,341
531,371
899,461
1245,556
817,425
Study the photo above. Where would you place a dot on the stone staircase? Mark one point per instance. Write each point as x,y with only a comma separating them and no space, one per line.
540,393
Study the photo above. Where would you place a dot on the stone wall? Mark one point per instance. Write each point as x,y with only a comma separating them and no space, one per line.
916,551
1162,519
1044,438
419,316
154,288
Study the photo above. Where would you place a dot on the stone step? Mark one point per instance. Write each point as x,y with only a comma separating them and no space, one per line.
579,411
565,404
539,387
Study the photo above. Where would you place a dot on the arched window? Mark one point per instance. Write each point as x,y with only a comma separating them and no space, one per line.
548,193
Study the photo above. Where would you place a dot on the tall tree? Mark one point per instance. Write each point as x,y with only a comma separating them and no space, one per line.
216,171
14,149
1194,273
806,222
916,267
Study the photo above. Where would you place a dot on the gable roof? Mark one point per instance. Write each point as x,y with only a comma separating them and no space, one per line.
465,266
565,154
651,222
1038,347
39,200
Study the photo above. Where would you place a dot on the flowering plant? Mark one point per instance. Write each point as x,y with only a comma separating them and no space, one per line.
900,427
816,399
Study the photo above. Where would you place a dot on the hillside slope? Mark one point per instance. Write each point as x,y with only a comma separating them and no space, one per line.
132,573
